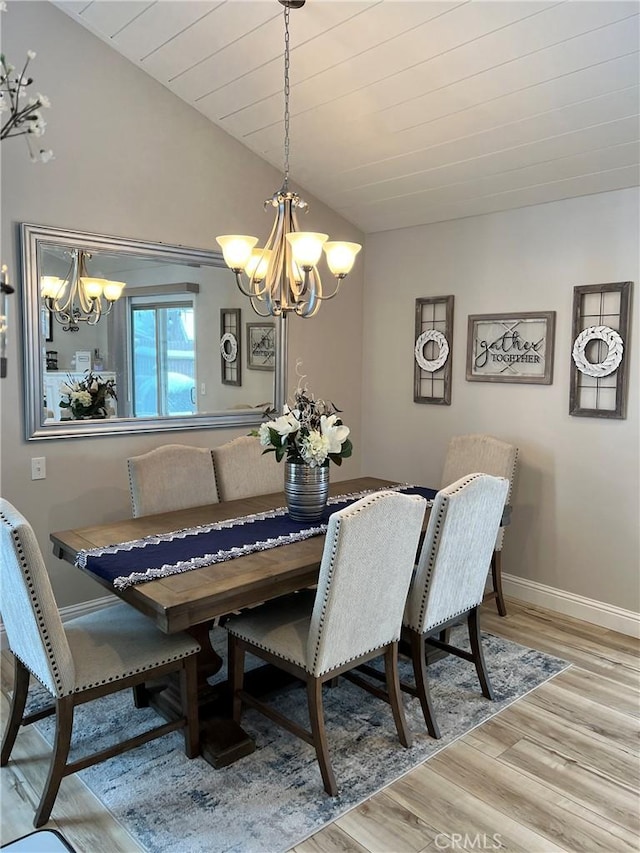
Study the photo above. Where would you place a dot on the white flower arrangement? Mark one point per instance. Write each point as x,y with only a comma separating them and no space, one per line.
21,115
309,433
87,398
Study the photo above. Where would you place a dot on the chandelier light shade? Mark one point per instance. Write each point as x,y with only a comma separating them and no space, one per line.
79,297
283,276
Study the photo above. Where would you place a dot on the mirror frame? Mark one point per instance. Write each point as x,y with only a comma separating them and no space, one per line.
31,236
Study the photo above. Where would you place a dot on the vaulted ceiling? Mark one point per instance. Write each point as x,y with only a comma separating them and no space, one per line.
406,113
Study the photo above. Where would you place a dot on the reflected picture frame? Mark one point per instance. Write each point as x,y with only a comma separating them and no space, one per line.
261,346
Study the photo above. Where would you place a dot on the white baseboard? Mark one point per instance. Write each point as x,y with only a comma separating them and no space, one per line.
73,611
588,609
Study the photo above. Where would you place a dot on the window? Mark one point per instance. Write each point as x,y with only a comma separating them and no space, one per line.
163,356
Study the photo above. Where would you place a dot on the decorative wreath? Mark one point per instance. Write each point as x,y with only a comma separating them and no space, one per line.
229,347
443,352
614,356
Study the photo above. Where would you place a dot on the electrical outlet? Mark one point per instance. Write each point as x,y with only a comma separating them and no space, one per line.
38,468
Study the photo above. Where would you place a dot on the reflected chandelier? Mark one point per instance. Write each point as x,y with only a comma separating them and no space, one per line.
79,298
283,276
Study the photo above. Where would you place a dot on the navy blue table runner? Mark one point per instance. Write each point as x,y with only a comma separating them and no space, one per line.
127,563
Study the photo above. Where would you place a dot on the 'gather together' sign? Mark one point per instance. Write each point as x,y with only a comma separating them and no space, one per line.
511,347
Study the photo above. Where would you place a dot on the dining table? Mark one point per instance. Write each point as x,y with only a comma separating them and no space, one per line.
191,600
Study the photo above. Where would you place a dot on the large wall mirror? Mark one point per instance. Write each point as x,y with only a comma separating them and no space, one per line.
181,346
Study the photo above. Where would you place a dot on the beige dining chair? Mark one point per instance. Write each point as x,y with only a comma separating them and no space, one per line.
243,470
84,659
484,454
450,577
171,477
355,615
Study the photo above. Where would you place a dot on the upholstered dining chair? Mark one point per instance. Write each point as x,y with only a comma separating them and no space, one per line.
484,454
242,470
171,477
84,659
355,615
450,577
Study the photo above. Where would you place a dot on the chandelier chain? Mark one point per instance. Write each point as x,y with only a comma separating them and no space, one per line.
286,98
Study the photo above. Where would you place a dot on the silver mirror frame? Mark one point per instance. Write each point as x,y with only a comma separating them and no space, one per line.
30,237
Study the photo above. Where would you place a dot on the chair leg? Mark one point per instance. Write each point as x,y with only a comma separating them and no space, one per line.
235,663
316,717
395,696
140,696
496,573
64,723
189,696
18,702
420,675
473,621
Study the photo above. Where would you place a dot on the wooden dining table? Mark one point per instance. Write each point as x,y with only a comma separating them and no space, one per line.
192,600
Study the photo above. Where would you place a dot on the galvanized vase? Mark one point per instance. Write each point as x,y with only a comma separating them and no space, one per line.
307,490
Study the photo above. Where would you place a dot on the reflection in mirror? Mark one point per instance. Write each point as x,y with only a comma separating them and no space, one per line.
158,346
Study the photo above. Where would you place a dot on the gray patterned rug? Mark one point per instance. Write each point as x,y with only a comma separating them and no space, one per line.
273,798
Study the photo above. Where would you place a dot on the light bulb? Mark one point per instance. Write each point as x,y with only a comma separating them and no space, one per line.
341,257
51,286
113,290
236,249
92,286
258,263
306,247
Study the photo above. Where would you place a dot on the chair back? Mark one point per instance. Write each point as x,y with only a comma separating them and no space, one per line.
242,470
29,611
171,477
456,553
366,567
484,454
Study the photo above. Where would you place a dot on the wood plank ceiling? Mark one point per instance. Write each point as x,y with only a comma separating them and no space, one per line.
406,113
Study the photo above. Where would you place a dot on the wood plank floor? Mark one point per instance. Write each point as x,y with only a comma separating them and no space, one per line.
557,771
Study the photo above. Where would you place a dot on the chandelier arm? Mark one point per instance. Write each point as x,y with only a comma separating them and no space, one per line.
339,280
267,313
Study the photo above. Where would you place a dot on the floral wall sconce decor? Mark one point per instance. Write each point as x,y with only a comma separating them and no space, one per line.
433,342
599,354
230,349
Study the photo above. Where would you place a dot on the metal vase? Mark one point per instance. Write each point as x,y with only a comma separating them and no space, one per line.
307,490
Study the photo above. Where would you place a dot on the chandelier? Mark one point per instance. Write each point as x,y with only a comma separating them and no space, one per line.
79,298
283,276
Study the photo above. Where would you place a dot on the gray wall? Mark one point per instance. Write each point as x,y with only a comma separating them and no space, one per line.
133,160
575,525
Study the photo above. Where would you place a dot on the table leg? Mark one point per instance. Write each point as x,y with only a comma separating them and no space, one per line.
222,740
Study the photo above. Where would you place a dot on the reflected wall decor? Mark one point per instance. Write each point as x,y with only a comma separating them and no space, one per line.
599,354
230,347
432,350
261,346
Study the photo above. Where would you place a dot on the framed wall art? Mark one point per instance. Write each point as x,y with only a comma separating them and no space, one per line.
511,347
600,350
261,346
432,350
230,349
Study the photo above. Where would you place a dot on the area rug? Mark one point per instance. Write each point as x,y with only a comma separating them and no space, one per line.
273,799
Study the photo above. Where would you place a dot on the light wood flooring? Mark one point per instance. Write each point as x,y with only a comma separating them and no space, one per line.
556,771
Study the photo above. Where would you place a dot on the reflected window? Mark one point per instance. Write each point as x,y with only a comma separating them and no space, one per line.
163,357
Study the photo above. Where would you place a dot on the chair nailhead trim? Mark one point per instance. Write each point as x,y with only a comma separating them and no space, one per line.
55,671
